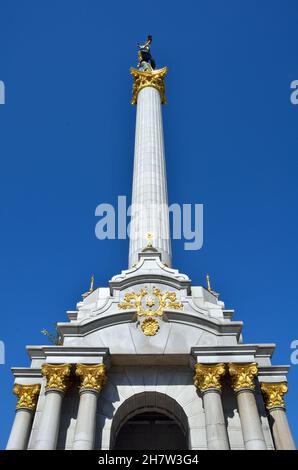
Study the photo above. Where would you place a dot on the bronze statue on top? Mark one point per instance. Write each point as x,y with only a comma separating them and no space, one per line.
146,62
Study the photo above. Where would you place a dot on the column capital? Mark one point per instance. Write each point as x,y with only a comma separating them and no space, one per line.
153,78
92,376
242,376
27,396
208,376
57,376
273,393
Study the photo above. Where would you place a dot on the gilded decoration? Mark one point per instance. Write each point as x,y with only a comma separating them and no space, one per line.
208,376
150,326
242,375
57,376
150,305
273,394
92,376
27,396
151,78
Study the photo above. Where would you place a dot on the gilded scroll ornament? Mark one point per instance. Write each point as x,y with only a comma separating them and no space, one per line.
27,396
151,78
57,376
157,302
242,375
92,376
208,376
273,394
139,301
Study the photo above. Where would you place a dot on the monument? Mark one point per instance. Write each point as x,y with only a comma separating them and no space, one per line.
150,361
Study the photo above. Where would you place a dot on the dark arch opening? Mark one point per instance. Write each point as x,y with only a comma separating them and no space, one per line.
150,431
141,423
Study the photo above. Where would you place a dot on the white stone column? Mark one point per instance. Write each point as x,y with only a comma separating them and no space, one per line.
92,379
149,193
273,397
26,405
57,383
208,380
242,377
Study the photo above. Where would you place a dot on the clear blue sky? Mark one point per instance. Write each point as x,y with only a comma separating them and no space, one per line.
66,145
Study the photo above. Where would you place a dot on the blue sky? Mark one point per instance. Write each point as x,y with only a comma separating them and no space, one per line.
66,145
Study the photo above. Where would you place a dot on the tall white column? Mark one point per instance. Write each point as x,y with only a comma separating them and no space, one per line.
242,376
26,405
149,193
57,383
274,402
92,379
208,380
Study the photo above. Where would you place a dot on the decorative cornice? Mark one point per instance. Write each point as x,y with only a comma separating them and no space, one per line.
242,375
209,376
74,354
92,377
57,376
273,394
154,79
27,396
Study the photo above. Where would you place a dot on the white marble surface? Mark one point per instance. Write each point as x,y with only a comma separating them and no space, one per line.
149,192
21,429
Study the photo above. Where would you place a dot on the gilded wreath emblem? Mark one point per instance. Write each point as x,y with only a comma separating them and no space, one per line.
150,305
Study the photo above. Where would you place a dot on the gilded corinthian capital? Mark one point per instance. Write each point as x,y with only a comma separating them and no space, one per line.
153,78
27,396
57,376
208,376
273,394
242,375
92,376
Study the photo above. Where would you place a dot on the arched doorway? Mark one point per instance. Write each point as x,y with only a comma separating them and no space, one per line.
149,421
150,431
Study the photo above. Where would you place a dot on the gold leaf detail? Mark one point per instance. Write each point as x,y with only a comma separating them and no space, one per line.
273,394
136,300
242,375
150,326
27,396
154,79
92,376
208,376
57,376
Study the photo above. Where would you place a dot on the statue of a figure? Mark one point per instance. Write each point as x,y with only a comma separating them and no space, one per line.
146,62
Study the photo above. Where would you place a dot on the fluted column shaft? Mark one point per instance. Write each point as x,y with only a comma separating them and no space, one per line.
149,194
92,379
242,376
57,383
274,402
21,429
207,380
